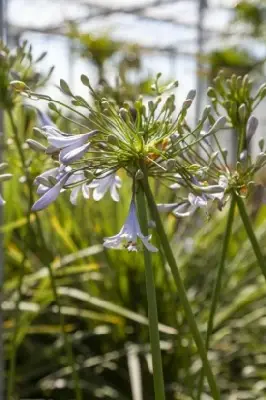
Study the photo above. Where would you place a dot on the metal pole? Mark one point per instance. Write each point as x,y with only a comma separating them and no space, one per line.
202,5
2,37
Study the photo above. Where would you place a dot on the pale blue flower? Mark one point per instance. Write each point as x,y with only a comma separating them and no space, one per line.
102,184
188,206
81,188
71,147
50,194
129,234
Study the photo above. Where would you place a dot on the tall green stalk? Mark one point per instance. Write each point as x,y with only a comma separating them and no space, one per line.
158,379
217,285
68,347
180,287
251,235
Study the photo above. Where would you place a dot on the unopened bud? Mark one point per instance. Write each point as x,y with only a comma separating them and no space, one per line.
19,86
219,124
139,174
186,104
251,127
191,95
36,146
123,114
206,112
242,112
133,113
170,164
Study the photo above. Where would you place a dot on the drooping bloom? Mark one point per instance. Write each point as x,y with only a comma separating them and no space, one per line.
188,206
50,193
102,184
71,147
130,234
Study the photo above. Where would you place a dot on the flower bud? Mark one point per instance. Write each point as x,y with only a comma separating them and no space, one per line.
242,112
205,113
123,114
19,86
191,95
251,127
219,124
36,146
187,103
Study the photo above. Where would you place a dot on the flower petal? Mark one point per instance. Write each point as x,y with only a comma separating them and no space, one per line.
74,195
148,245
167,207
184,209
71,153
85,191
49,196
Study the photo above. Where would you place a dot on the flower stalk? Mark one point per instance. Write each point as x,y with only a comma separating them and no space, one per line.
158,379
180,287
217,285
251,235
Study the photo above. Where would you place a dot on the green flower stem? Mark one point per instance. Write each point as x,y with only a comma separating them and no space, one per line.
218,284
251,235
68,347
158,379
180,287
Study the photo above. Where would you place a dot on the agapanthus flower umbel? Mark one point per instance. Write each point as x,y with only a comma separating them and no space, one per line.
53,181
145,137
130,235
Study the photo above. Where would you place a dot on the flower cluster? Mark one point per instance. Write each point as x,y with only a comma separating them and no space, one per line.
153,134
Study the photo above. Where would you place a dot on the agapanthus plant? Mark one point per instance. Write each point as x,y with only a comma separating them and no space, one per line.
153,141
